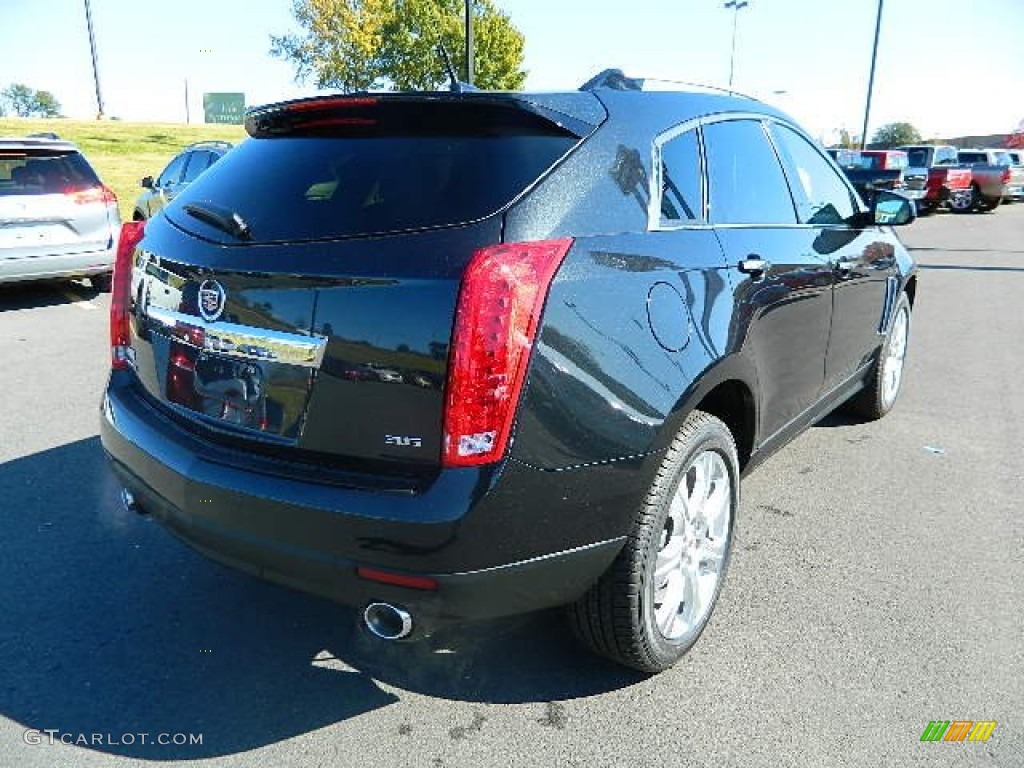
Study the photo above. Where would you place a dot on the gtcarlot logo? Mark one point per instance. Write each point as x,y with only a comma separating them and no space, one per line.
56,736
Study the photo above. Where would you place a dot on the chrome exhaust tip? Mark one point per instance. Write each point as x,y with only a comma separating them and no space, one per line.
129,503
388,622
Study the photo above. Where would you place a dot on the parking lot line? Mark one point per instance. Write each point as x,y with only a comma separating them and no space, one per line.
77,300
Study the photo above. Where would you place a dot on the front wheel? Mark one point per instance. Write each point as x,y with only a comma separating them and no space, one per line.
879,397
655,600
102,283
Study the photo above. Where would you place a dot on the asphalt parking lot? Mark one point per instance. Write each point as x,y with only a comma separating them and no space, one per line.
876,586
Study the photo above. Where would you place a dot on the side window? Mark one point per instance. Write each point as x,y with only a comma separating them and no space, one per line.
745,181
172,173
822,197
197,163
681,188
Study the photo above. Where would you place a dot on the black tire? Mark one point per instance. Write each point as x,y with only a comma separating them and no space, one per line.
138,216
616,618
103,283
963,202
875,400
987,204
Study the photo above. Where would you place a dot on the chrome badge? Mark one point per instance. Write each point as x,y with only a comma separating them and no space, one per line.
211,300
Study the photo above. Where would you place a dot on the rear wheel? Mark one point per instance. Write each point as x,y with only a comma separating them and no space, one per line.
655,600
103,283
988,203
962,201
879,397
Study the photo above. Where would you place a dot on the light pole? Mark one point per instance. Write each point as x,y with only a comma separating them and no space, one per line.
735,5
95,69
469,41
871,78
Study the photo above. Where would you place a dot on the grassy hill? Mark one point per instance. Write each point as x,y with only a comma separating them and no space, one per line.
122,153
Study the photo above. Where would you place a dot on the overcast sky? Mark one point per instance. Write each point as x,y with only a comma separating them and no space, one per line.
950,67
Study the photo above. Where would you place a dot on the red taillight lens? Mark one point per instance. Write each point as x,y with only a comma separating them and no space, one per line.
121,294
500,302
336,102
1006,175
100,194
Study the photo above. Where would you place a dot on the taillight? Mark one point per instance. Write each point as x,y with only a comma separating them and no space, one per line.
100,194
500,303
1006,175
121,294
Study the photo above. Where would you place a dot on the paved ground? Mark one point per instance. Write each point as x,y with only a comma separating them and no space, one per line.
876,586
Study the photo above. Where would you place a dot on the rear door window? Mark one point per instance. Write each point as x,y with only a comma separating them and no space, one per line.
745,181
821,195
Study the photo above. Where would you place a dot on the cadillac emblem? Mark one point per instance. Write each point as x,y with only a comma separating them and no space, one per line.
211,300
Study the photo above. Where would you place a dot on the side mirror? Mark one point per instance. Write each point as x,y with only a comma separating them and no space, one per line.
892,209
147,182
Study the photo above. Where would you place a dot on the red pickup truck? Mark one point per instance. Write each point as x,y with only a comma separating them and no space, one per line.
991,174
933,178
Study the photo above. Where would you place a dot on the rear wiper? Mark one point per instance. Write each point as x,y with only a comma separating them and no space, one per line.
221,218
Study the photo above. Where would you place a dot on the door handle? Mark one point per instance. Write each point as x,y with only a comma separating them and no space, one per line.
754,266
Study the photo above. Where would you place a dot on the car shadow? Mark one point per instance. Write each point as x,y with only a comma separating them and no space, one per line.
112,627
46,293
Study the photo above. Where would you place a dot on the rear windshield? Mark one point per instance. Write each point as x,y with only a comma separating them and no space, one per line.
32,172
303,187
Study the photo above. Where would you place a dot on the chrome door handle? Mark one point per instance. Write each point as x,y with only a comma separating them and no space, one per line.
754,266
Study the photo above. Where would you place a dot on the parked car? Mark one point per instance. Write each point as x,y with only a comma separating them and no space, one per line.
990,175
606,305
179,173
1015,189
57,219
934,169
867,174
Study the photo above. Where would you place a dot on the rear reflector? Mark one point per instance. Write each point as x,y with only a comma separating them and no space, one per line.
500,302
399,579
121,294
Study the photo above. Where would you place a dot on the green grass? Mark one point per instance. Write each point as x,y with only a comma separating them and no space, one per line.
122,153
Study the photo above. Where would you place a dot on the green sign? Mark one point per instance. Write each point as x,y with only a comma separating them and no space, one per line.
224,108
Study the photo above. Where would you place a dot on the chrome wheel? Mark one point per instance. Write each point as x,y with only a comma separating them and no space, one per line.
694,542
896,353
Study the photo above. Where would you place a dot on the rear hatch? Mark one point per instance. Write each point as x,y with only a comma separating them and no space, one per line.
299,297
52,203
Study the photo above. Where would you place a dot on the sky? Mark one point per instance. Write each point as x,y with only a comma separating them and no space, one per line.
949,67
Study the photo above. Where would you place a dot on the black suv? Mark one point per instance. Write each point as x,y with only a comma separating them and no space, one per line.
450,356
179,173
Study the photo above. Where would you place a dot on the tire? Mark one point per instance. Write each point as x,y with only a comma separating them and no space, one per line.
138,216
879,397
103,283
963,202
987,204
626,616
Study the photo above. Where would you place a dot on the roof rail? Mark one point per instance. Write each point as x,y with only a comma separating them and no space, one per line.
616,80
211,143
44,135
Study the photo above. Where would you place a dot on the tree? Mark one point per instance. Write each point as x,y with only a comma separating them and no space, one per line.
847,141
25,102
46,104
357,45
896,135
20,98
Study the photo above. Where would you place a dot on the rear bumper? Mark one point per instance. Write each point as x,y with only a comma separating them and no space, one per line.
497,544
57,266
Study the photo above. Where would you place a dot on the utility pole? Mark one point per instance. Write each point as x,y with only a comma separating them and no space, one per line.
187,116
871,78
735,5
469,41
95,69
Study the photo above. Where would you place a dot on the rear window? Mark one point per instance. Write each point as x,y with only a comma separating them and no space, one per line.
313,187
973,157
34,172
